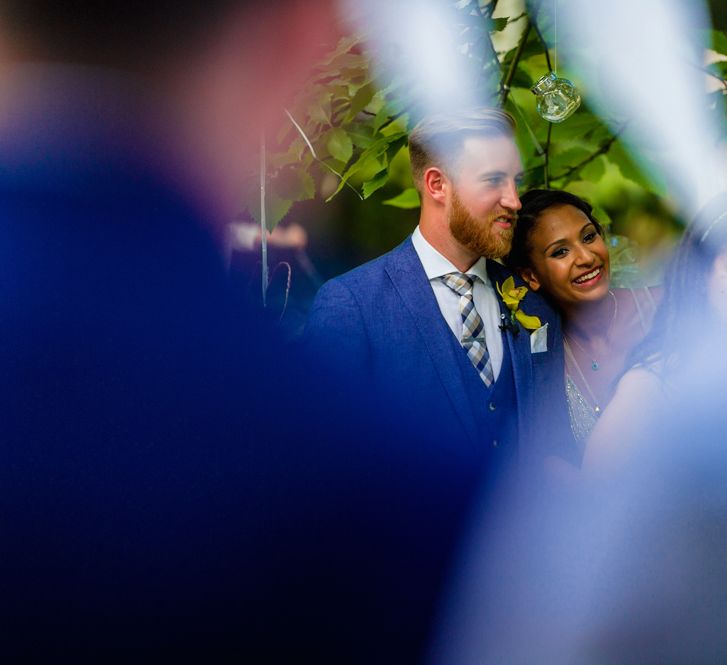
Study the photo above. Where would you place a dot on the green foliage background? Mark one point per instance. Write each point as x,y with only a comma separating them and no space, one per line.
344,139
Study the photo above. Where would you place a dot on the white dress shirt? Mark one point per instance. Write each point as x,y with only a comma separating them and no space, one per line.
484,295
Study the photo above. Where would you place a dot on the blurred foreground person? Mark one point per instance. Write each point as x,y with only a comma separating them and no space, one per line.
627,567
173,485
684,347
560,251
136,512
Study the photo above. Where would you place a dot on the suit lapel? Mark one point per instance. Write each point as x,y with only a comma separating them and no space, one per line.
410,281
518,345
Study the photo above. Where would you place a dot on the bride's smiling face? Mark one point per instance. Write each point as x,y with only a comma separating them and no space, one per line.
568,257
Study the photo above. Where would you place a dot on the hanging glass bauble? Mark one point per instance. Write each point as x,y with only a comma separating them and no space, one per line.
557,98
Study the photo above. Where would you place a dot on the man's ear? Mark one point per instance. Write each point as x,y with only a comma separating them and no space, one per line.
530,278
435,184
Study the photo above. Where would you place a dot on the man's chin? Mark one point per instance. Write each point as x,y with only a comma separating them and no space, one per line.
481,240
493,247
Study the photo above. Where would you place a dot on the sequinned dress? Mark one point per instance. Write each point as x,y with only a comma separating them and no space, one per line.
583,415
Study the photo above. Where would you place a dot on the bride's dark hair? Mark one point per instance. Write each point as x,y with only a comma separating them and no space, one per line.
534,203
685,318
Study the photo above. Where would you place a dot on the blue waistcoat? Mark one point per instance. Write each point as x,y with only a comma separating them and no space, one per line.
494,407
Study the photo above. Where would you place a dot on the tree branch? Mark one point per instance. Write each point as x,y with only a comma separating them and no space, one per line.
546,163
709,72
315,155
507,80
393,118
544,43
491,7
605,147
485,17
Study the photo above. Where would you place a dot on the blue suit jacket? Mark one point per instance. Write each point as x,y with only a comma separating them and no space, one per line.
381,322
403,412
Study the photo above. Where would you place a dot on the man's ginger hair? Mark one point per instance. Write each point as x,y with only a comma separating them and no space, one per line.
437,139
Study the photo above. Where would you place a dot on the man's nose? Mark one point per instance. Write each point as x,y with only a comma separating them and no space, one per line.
510,198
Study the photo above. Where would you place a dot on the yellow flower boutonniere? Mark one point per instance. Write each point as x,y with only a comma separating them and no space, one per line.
512,295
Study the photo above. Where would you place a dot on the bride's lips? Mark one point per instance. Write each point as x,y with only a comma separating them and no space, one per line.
589,278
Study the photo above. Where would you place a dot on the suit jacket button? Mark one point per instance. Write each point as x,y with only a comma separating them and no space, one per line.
491,406
495,443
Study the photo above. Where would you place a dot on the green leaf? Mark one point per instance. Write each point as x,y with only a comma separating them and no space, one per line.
345,61
344,46
361,137
719,41
719,68
376,183
356,76
339,93
293,155
594,171
499,24
320,112
275,208
361,100
408,199
602,216
367,160
569,154
339,144
581,122
522,80
382,116
377,102
532,48
396,129
626,165
366,165
294,185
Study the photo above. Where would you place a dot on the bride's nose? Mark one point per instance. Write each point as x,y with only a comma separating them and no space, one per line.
583,256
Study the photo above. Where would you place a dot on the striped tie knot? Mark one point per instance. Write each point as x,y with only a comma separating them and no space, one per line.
460,283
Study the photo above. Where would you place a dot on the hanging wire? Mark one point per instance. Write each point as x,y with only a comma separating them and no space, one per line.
538,147
555,36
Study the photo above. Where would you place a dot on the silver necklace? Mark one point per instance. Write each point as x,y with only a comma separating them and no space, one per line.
574,362
595,365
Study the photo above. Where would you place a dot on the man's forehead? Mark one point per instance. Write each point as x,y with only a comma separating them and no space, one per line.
486,142
498,149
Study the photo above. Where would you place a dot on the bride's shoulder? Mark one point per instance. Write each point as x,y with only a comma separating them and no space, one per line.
643,298
641,380
638,400
636,309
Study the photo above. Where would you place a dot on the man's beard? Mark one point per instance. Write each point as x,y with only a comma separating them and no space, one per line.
480,237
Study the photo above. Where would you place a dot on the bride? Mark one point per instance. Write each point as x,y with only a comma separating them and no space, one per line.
677,374
559,250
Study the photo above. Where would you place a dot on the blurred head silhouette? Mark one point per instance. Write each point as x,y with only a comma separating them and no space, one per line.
211,72
132,426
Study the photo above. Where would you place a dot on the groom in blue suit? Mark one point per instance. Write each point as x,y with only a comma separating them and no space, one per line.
438,386
426,324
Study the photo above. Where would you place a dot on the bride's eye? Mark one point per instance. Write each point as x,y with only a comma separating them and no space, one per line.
559,253
590,236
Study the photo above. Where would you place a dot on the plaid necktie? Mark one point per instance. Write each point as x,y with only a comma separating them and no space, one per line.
473,330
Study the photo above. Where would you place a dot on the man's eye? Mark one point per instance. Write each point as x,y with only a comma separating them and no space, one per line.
494,181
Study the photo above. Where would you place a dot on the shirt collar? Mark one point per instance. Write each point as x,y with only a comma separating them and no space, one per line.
436,265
